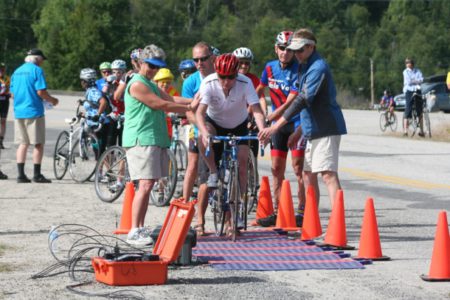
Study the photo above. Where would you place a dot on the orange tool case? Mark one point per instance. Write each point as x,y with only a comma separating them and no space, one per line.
167,247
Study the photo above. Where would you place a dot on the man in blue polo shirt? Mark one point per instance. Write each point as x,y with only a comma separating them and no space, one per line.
29,91
322,121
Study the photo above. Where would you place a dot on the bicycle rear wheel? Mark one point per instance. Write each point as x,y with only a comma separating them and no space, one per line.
252,182
111,174
234,200
83,158
393,122
427,123
61,155
164,188
383,123
181,153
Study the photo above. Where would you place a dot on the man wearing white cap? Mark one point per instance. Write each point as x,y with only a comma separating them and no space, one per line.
322,122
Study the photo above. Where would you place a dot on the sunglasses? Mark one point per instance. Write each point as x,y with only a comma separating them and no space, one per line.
106,72
301,50
202,59
284,48
230,77
246,63
153,67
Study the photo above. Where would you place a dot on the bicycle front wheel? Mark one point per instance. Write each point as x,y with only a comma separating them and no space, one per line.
111,174
181,153
383,123
393,122
427,123
164,188
61,155
234,193
218,207
252,182
83,158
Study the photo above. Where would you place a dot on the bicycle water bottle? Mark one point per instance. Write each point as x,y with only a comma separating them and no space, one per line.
226,177
52,237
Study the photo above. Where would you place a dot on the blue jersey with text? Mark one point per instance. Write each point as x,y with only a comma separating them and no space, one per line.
280,82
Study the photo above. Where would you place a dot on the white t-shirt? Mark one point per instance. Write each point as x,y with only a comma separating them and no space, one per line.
228,112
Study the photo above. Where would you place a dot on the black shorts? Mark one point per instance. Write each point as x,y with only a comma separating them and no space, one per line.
240,130
4,107
409,103
279,142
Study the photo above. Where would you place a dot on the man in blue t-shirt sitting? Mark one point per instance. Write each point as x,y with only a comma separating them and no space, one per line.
29,91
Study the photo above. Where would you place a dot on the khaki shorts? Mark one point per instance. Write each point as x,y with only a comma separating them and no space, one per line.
29,131
147,162
322,154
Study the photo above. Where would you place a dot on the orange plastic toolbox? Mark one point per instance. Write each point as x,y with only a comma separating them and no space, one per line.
167,247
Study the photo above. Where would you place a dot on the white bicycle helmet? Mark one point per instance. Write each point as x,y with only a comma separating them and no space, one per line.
243,53
283,38
88,74
119,64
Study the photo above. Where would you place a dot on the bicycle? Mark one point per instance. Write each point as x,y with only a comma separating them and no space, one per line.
419,115
164,189
227,196
388,119
252,172
78,155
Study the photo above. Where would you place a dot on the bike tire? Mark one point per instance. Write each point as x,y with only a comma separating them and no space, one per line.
234,199
393,123
252,182
111,169
162,197
218,208
61,155
181,154
83,158
426,119
383,123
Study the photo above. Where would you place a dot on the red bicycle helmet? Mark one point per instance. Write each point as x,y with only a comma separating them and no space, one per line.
283,38
227,64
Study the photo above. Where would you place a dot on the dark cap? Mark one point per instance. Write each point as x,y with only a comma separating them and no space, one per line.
36,51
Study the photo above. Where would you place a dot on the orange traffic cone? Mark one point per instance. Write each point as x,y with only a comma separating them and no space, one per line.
265,205
125,220
336,235
311,222
286,215
440,261
369,242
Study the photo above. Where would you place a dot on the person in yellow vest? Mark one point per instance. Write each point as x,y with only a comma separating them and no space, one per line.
164,79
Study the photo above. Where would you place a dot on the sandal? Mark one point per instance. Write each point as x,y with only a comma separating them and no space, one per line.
200,229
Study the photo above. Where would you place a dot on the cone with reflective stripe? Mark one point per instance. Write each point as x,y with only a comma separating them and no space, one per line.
265,205
336,235
125,220
286,214
369,242
440,261
311,221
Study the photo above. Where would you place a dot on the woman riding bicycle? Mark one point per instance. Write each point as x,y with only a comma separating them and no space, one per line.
387,101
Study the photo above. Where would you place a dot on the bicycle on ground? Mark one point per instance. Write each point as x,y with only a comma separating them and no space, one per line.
225,201
78,149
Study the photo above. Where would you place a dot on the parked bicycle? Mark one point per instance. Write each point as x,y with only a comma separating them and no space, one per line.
165,188
225,201
78,149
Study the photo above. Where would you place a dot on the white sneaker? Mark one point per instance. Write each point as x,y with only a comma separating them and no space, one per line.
116,187
135,238
213,180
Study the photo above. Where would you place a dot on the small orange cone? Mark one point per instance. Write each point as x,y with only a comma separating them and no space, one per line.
265,205
125,220
369,242
286,215
336,235
440,261
311,221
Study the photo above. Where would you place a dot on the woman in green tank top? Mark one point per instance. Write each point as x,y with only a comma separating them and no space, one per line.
145,135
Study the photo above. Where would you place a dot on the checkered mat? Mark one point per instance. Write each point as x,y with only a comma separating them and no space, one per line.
268,251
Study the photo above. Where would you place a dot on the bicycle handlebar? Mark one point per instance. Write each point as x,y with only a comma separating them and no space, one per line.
232,138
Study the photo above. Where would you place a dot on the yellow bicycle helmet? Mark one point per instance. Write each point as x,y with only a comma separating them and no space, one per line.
163,74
